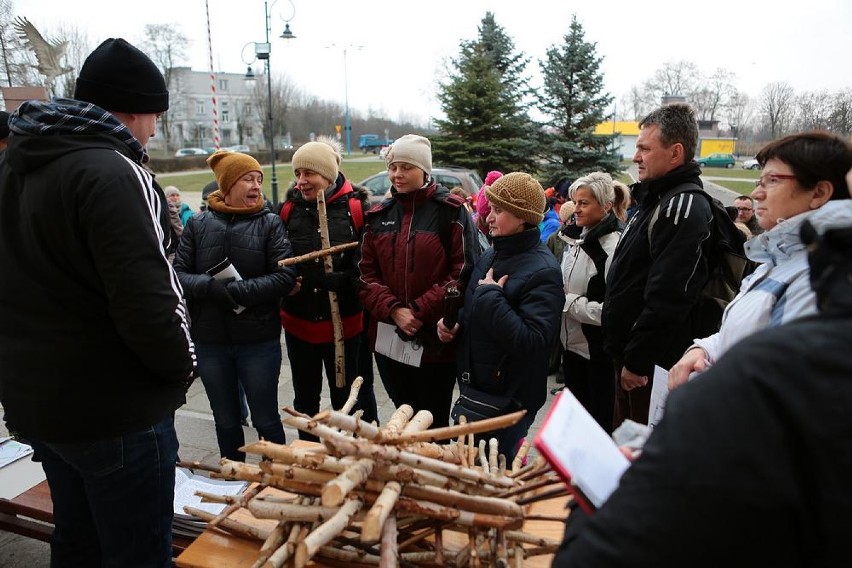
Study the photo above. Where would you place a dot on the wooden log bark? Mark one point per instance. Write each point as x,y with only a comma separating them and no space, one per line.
324,533
397,422
492,455
518,462
273,542
449,432
317,254
353,395
457,516
336,322
292,512
284,552
230,525
419,422
483,457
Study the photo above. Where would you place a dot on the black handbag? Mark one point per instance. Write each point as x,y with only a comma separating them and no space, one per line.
475,404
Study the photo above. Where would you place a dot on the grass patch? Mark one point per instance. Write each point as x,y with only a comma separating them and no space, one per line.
741,187
731,173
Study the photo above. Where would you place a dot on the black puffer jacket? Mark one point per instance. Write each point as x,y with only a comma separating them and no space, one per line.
254,243
507,333
307,314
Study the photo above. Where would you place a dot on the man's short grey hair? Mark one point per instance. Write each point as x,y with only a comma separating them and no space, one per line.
677,124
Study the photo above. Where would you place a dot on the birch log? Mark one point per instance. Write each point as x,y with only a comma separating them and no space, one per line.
379,513
389,550
324,533
336,322
317,254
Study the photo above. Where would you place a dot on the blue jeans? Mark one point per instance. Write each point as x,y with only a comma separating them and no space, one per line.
112,498
256,367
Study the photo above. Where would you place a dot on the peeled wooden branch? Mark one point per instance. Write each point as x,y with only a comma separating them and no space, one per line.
483,458
448,432
492,455
317,254
378,514
518,462
419,422
264,509
451,514
232,526
397,421
323,534
336,490
273,542
284,552
389,550
336,321
527,538
353,395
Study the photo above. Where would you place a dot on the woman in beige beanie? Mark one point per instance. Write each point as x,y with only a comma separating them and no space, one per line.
416,245
306,313
235,322
510,318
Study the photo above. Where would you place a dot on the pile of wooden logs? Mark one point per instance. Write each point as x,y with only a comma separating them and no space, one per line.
390,496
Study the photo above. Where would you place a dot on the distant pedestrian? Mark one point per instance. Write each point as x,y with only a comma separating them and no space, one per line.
184,210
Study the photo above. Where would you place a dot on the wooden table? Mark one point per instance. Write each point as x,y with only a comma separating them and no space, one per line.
217,549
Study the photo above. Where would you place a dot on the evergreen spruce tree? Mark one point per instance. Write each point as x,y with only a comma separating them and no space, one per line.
487,126
574,102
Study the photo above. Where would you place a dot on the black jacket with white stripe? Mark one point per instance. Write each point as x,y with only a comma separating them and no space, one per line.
653,287
94,339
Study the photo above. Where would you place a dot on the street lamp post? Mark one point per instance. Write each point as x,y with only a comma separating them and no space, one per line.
347,125
262,52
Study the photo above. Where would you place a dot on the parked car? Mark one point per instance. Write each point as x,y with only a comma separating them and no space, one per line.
450,177
238,148
751,164
190,152
717,161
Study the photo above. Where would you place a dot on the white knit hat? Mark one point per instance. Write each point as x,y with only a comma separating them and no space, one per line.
412,149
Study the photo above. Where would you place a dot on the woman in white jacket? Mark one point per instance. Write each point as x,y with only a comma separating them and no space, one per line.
599,209
802,179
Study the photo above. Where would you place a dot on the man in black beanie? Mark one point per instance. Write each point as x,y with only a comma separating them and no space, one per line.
95,352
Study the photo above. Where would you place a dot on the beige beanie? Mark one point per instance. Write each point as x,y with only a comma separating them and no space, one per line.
228,167
321,157
412,149
519,194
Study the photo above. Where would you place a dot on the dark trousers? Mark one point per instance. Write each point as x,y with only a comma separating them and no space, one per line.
428,387
632,404
256,367
112,498
590,380
306,363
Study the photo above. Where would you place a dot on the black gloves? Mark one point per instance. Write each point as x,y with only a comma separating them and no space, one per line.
334,281
217,290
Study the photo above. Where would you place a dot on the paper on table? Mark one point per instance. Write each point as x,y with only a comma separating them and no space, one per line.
187,483
388,343
659,394
579,449
225,270
12,450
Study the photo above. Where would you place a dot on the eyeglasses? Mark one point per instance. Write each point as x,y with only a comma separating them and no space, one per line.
770,180
744,209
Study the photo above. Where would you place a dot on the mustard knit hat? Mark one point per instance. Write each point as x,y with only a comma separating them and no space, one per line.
519,194
412,149
322,157
228,167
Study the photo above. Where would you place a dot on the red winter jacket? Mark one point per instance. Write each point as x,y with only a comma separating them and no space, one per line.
405,262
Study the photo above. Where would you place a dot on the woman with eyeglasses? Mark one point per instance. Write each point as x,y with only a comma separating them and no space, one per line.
803,178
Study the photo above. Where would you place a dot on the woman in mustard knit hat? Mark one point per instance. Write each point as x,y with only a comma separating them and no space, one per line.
234,313
510,318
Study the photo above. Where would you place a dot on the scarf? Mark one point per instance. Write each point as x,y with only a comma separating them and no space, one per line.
216,202
72,117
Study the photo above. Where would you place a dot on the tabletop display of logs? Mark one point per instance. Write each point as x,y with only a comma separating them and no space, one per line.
390,495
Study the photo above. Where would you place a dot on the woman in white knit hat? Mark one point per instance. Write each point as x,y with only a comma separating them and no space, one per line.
510,317
417,243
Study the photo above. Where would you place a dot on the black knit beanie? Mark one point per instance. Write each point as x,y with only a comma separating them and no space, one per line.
118,77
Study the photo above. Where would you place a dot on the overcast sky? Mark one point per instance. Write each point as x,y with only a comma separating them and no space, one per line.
404,45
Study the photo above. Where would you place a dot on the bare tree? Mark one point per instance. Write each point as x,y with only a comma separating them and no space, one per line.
713,93
777,105
675,78
840,119
79,48
19,63
166,45
739,110
283,96
813,110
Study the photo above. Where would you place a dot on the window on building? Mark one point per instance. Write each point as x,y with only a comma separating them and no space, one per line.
247,109
249,133
223,84
199,108
226,116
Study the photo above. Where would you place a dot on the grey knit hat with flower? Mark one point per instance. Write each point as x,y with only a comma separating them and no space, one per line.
520,194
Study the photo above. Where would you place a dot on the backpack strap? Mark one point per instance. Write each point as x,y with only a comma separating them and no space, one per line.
682,188
286,210
356,211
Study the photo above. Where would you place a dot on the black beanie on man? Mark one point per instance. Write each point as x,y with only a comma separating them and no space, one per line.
120,78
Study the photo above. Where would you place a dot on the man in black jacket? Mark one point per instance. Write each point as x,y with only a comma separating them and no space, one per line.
750,464
95,352
656,277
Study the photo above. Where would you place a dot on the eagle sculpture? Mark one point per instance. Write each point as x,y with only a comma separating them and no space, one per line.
48,54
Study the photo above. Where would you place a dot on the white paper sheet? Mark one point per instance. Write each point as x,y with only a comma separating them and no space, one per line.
582,448
389,344
225,270
187,483
659,394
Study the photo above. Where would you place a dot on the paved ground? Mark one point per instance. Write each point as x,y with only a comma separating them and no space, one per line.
194,424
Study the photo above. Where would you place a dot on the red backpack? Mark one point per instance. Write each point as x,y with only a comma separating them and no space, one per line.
356,211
